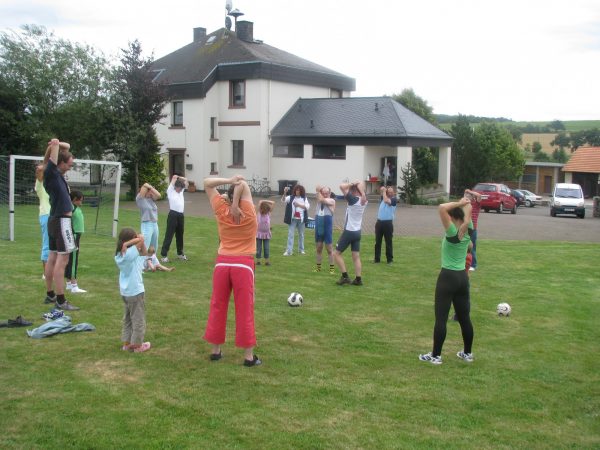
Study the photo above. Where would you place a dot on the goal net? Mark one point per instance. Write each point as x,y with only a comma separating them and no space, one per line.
99,181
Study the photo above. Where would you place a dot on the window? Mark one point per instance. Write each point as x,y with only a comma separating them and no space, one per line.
288,151
238,153
329,152
177,114
237,94
335,93
213,129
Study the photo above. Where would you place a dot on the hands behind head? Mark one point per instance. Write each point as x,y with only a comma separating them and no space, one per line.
236,179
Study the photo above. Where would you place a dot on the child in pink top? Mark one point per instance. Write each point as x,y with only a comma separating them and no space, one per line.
263,233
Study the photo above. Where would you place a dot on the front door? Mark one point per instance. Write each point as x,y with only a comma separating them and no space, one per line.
388,170
547,184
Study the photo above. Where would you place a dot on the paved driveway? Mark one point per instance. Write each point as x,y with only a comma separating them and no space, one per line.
528,224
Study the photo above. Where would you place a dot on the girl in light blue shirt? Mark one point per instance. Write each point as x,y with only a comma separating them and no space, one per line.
130,256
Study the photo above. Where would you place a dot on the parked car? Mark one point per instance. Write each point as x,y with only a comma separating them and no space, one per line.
567,198
519,196
531,199
496,196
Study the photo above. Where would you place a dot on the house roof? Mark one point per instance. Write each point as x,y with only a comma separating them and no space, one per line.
356,121
585,159
192,70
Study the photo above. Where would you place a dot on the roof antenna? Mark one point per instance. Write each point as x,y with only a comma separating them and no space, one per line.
228,6
376,106
312,124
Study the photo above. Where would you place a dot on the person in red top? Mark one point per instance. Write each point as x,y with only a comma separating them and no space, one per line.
475,198
234,268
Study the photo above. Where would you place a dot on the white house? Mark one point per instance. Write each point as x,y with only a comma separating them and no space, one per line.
242,106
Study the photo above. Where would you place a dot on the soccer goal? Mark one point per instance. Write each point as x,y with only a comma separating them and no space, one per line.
99,181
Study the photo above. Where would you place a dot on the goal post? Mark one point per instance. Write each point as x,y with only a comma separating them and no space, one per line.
99,181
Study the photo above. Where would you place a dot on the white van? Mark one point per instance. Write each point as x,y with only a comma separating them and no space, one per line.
567,198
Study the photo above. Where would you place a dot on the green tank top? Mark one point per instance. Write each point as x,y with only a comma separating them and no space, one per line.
454,252
77,221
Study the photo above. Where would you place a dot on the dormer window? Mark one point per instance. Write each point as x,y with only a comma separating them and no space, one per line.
237,94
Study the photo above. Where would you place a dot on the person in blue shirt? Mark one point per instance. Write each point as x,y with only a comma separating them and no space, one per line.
384,227
130,256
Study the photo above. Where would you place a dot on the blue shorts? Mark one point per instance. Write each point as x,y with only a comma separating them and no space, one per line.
348,238
324,229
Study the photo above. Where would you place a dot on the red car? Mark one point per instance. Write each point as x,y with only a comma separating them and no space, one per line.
496,196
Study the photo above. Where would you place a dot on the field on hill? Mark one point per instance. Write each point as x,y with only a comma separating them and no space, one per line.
339,372
570,125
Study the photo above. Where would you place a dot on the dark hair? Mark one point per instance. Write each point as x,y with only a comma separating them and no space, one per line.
302,190
230,193
63,156
76,195
457,213
179,184
125,235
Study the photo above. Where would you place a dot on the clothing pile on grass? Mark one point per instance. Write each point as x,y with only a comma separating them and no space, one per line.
58,323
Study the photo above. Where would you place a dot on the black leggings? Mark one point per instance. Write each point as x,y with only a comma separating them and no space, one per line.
452,288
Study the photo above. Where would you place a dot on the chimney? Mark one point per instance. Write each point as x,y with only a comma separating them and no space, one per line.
199,33
245,30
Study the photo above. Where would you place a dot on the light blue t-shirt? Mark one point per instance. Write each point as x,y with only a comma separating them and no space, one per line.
386,212
131,266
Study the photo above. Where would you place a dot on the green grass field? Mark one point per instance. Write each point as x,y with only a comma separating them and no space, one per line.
339,372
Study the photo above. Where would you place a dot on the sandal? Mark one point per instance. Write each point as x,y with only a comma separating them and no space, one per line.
253,362
18,322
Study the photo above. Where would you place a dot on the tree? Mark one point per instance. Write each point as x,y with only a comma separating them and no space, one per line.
502,158
536,147
466,157
562,140
16,135
408,191
139,103
63,89
425,159
560,156
556,125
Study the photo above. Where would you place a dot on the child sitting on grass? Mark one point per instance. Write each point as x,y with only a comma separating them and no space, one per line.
129,256
152,263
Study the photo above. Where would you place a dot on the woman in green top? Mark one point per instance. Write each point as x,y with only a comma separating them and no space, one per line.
452,286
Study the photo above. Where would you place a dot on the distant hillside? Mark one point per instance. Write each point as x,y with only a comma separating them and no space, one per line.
446,121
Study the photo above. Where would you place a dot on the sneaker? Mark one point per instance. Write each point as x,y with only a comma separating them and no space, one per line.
376,261
331,271
286,253
343,280
66,306
468,357
43,276
216,356
254,362
471,269
53,315
267,263
258,263
357,282
390,262
69,286
50,299
165,259
182,257
303,252
317,269
142,348
437,360
77,290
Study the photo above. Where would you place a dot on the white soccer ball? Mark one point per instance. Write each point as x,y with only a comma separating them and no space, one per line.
503,309
295,299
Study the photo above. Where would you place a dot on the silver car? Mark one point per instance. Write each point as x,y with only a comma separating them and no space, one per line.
531,199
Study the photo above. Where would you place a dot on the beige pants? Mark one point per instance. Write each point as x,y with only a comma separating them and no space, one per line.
134,319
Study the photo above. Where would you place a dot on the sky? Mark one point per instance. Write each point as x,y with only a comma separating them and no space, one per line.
525,60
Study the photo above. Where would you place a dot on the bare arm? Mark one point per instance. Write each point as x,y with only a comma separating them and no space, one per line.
138,242
345,187
286,189
271,203
360,187
147,187
474,194
210,184
384,196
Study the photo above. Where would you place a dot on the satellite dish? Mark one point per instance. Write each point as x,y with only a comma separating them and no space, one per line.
228,5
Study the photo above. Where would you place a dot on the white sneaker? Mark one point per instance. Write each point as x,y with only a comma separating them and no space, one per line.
471,269
303,252
432,359
182,257
43,276
77,290
468,357
165,260
286,253
69,286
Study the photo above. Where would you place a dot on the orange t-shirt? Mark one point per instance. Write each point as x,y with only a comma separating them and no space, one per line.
236,239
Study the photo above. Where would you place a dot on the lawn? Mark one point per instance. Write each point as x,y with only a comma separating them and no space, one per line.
339,372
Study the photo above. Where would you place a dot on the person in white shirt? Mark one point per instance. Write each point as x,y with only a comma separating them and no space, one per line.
297,208
175,219
354,193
